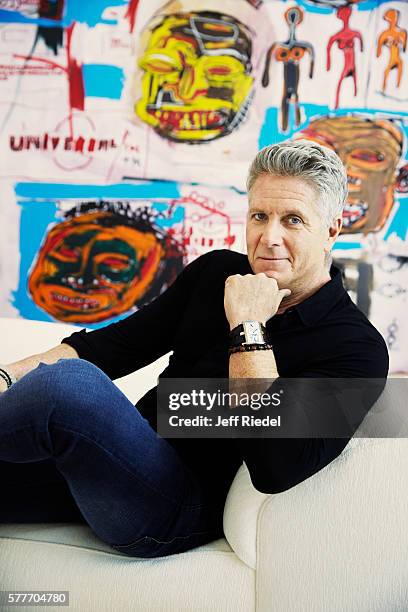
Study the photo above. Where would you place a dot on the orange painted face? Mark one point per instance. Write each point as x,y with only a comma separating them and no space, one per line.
90,270
370,151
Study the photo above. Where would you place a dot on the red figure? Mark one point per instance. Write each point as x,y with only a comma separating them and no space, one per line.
345,41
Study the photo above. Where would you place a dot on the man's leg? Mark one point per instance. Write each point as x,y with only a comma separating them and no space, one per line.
36,493
130,485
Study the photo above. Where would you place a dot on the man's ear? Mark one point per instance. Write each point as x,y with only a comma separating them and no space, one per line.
332,233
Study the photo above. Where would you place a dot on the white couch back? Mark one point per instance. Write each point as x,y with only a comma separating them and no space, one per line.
22,337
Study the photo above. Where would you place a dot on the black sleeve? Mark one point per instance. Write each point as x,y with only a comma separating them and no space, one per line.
132,343
277,464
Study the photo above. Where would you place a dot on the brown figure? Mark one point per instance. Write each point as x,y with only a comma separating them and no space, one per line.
345,41
290,53
394,38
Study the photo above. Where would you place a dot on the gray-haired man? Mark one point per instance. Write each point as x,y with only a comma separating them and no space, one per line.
279,312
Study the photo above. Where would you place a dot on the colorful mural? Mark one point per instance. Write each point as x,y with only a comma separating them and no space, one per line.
127,128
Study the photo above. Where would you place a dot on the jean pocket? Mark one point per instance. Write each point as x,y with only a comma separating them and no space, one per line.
149,547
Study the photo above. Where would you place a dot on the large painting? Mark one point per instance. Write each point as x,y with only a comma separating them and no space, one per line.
127,128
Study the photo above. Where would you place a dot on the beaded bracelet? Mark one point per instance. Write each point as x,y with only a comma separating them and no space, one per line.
9,378
249,347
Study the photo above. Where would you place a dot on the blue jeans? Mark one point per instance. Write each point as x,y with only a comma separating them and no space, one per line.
74,448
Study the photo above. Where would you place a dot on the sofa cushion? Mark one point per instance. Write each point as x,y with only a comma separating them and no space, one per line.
70,557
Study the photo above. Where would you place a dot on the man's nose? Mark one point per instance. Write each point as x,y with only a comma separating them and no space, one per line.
272,234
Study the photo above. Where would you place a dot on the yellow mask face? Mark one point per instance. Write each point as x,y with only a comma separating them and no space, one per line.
196,83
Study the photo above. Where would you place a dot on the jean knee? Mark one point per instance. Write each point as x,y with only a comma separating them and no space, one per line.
72,382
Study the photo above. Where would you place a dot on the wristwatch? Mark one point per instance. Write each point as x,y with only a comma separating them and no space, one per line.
248,332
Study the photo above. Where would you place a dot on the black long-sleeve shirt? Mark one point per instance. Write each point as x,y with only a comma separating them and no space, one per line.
324,336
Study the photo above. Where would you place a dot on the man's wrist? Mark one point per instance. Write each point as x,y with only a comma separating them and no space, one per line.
249,334
7,377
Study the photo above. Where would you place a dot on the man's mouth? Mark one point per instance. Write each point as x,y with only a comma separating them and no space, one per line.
354,212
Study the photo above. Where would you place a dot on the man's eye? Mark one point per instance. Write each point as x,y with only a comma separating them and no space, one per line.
295,220
259,216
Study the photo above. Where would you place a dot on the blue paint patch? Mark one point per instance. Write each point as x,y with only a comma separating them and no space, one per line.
315,8
177,216
148,189
270,132
15,17
345,246
90,11
103,81
370,5
36,217
399,224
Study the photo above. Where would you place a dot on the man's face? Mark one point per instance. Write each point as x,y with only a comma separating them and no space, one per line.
196,82
285,235
87,273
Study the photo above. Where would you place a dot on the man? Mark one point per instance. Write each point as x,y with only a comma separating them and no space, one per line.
150,496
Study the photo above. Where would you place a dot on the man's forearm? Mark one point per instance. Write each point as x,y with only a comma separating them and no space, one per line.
253,364
22,367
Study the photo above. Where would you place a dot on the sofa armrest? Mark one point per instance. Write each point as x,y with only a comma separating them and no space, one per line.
338,541
241,511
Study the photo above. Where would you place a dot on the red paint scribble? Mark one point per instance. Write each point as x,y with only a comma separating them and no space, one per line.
75,78
205,204
131,13
73,70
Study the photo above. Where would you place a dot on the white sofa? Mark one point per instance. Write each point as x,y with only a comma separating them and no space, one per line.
336,542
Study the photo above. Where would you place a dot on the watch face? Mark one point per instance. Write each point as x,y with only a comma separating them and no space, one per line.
253,332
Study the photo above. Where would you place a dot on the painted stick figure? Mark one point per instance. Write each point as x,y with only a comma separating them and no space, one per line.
290,53
394,38
345,41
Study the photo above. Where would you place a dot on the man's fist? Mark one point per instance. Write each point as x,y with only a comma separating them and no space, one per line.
255,297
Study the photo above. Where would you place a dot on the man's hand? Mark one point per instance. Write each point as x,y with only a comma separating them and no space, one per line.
253,297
